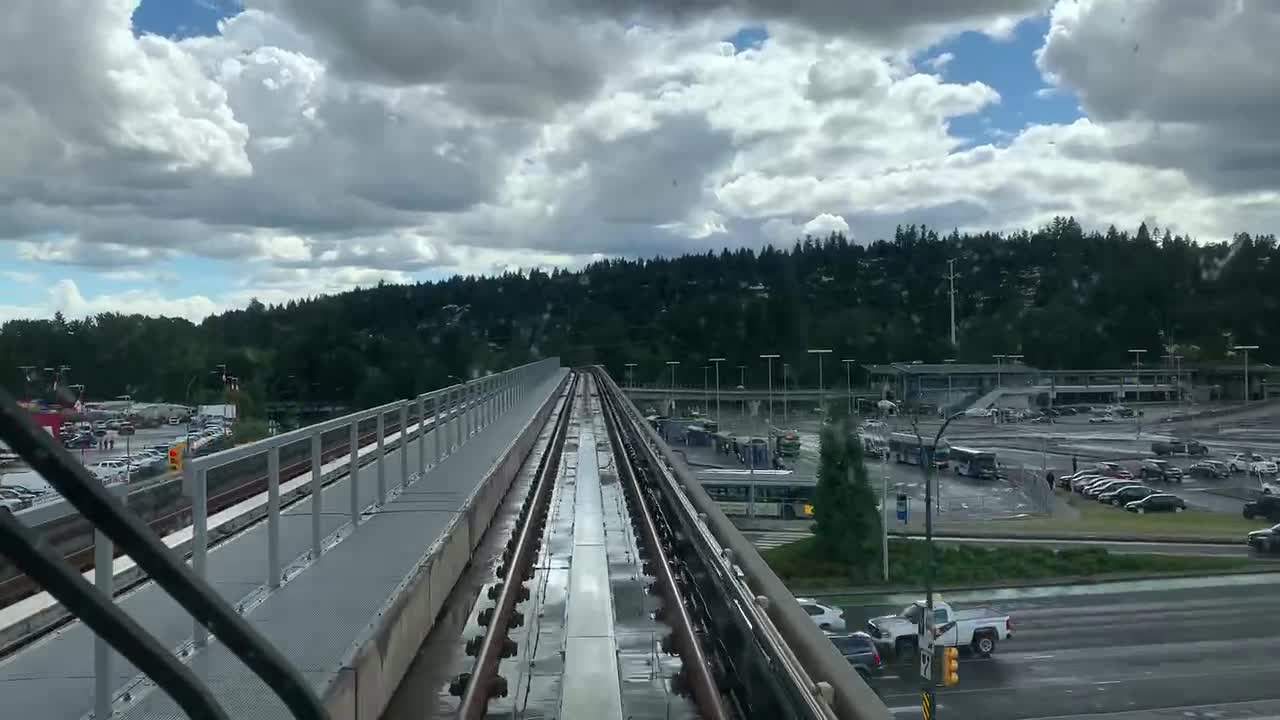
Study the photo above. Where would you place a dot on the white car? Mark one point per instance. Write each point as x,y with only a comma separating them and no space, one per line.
1103,418
824,616
1253,463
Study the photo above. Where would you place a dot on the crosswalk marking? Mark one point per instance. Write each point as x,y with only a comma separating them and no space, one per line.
769,539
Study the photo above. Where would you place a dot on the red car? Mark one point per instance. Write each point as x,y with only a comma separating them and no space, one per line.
1114,470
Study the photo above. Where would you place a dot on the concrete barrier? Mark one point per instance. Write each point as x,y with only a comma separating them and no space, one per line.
378,662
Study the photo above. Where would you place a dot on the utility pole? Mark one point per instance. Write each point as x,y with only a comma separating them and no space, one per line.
1246,349
717,361
848,379
742,384
1137,372
951,277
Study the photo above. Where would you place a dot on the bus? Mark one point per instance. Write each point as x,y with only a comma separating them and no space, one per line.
763,493
905,448
974,463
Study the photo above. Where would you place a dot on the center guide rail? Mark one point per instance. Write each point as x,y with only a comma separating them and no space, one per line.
802,697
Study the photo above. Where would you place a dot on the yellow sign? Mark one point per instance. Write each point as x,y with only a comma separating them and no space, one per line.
808,510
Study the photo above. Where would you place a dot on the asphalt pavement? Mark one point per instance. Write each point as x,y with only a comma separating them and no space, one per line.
1153,650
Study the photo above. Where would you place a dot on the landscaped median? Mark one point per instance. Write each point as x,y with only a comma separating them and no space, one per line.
802,566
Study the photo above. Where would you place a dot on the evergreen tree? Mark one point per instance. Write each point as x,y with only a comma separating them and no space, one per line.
848,525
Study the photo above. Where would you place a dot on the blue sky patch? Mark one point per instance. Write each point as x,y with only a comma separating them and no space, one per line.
1008,66
749,38
183,18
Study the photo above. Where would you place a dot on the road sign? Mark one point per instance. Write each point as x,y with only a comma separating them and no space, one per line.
926,661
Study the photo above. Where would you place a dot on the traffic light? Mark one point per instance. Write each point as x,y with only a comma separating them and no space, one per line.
175,458
950,666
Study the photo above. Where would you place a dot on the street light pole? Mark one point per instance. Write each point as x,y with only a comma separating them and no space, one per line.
1246,349
1137,372
717,361
948,362
925,644
631,375
742,383
706,393
822,390
672,399
786,411
848,380
998,359
770,358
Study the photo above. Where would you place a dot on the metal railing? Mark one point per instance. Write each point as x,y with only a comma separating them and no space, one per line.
453,415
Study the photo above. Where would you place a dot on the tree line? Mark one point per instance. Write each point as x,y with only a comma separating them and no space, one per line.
1060,296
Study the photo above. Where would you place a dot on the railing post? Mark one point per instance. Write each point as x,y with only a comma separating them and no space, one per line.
422,436
199,541
103,573
437,427
404,443
382,457
468,407
353,472
455,419
317,487
273,517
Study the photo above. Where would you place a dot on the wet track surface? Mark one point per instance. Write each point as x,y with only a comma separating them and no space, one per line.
1151,650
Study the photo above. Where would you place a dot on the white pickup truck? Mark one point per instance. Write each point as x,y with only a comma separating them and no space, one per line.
977,628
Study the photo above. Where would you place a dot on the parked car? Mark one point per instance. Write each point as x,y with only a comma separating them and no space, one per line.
1266,540
80,440
1267,506
860,650
1115,470
1125,495
1251,463
1102,486
824,616
1064,481
1159,470
978,628
1208,469
1080,483
1178,447
1157,502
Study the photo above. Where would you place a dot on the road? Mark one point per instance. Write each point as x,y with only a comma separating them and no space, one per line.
765,539
1154,650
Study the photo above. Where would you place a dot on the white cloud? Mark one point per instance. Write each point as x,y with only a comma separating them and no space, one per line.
64,296
321,145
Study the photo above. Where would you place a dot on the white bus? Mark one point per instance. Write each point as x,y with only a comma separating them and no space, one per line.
764,493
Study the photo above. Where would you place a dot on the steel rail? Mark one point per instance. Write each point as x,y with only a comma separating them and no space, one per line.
694,661
483,682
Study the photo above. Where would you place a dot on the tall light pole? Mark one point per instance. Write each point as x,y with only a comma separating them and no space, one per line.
822,389
848,381
717,361
742,383
998,359
1137,372
1246,349
79,388
26,379
672,404
631,375
951,276
770,358
948,362
1176,360
786,412
706,392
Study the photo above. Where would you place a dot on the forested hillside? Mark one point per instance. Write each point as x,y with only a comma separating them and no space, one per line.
1058,295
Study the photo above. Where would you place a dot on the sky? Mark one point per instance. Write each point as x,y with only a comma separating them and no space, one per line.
180,157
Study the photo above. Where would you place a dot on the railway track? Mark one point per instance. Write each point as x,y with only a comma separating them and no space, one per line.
730,662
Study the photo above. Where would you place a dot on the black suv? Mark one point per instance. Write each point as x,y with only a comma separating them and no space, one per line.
1159,470
860,650
1266,506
